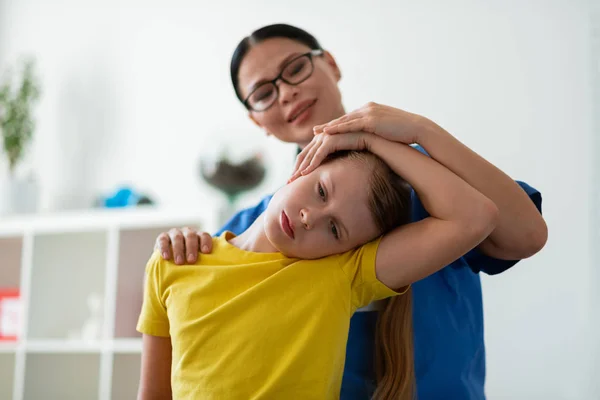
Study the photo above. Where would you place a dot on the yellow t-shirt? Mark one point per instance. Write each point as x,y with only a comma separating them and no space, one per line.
247,325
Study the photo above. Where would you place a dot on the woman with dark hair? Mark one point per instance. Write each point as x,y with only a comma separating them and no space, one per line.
289,85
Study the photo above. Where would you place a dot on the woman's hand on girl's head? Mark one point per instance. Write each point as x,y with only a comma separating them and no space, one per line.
323,144
390,123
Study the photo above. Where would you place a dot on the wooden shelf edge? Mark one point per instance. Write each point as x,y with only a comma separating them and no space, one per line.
127,346
102,219
60,346
9,347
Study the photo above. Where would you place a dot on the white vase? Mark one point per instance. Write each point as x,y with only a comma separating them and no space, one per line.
18,196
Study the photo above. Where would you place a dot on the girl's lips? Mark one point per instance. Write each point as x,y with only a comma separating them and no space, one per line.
286,226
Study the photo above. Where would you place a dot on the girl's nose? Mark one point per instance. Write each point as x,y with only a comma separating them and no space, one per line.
305,218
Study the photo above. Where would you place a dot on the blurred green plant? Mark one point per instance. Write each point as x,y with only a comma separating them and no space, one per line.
16,116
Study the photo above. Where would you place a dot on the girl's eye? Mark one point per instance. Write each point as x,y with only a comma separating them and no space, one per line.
334,231
321,192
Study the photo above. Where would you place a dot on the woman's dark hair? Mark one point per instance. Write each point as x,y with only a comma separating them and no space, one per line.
262,34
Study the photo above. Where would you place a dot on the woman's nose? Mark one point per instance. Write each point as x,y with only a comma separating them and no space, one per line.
287,93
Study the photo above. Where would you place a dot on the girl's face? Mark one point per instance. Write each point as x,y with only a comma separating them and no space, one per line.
323,213
315,101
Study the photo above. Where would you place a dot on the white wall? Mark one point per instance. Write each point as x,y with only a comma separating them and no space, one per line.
135,92
595,232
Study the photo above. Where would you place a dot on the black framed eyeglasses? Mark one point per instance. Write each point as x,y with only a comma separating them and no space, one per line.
294,72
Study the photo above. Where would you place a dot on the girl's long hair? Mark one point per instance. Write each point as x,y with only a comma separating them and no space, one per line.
390,205
394,362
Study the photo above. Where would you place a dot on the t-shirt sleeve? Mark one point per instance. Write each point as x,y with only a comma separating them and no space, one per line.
359,267
478,261
243,219
153,318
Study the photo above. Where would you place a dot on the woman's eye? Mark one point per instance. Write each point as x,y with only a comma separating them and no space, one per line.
263,95
321,192
297,67
334,231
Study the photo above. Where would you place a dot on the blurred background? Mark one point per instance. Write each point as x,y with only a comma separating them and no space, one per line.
135,95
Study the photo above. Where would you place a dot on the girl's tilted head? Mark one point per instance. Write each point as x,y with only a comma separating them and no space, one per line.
351,199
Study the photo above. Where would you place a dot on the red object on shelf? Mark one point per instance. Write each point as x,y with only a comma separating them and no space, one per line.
10,314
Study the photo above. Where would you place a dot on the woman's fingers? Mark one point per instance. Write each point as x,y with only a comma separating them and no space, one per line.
195,243
347,117
369,109
330,144
177,245
300,157
310,154
191,244
322,145
356,125
163,244
319,155
205,242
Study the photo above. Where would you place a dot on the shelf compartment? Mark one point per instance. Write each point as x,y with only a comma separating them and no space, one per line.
135,248
126,376
10,263
61,376
7,375
66,270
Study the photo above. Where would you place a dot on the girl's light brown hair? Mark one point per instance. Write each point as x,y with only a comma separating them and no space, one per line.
390,206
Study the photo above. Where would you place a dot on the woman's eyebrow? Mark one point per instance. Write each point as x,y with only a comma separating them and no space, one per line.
288,58
281,64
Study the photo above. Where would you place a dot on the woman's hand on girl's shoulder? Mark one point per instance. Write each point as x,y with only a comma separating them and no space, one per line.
388,122
183,245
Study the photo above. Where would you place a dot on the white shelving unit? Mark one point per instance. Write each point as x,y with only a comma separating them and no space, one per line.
57,261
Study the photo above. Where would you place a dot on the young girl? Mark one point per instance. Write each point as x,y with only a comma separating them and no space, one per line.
266,314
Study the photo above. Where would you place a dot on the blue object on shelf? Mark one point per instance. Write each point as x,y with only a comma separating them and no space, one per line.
125,197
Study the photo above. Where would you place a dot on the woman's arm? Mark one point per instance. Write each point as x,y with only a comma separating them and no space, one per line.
521,230
460,217
155,377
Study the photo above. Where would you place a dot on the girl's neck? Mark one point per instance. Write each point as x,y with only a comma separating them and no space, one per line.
254,239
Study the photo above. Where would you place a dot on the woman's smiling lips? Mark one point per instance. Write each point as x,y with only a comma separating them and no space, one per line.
301,112
286,225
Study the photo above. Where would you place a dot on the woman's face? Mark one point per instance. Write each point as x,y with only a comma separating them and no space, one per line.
325,212
298,108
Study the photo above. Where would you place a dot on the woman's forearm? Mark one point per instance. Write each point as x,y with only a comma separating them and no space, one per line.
521,230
